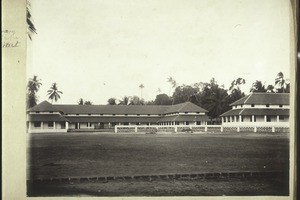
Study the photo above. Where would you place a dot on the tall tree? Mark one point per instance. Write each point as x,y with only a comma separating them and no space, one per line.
135,100
235,90
257,86
30,26
33,87
172,83
280,83
162,99
54,93
183,93
81,101
214,99
141,87
111,101
88,103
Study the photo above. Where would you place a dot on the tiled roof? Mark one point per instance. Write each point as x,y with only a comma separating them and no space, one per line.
45,106
184,107
256,111
114,119
183,118
264,98
112,109
46,117
118,109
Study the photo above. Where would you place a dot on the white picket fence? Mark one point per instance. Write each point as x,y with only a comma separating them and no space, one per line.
200,128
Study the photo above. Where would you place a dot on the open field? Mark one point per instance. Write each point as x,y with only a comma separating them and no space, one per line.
108,154
202,187
92,154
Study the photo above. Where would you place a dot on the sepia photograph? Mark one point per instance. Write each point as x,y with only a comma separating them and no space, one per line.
151,98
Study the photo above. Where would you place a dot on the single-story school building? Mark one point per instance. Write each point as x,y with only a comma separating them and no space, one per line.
259,109
47,117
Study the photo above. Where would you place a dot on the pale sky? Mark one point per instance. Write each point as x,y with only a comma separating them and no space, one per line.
97,49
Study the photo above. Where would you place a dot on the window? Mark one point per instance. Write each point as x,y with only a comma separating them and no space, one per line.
114,114
138,114
148,114
126,123
37,112
252,105
50,124
241,106
237,118
176,123
126,114
187,123
137,123
51,112
197,112
185,112
250,118
113,124
280,106
268,118
235,106
37,124
89,114
242,118
281,117
101,114
254,118
77,114
198,122
228,119
267,105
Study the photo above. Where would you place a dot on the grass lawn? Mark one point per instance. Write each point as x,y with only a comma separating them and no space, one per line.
92,154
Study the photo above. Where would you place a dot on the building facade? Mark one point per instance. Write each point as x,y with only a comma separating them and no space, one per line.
47,117
265,109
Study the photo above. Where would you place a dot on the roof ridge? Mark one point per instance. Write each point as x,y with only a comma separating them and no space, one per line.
248,98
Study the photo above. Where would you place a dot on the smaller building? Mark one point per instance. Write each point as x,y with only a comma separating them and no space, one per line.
262,109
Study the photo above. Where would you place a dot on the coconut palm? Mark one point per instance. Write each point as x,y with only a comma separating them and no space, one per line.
81,101
125,100
173,84
30,26
33,87
53,93
141,86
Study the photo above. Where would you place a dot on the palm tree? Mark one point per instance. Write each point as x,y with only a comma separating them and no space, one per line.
173,84
30,26
33,87
53,93
125,100
81,101
141,86
158,91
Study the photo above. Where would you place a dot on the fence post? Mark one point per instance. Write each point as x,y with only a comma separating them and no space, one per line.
116,129
175,129
135,129
221,128
255,129
273,129
205,128
238,129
